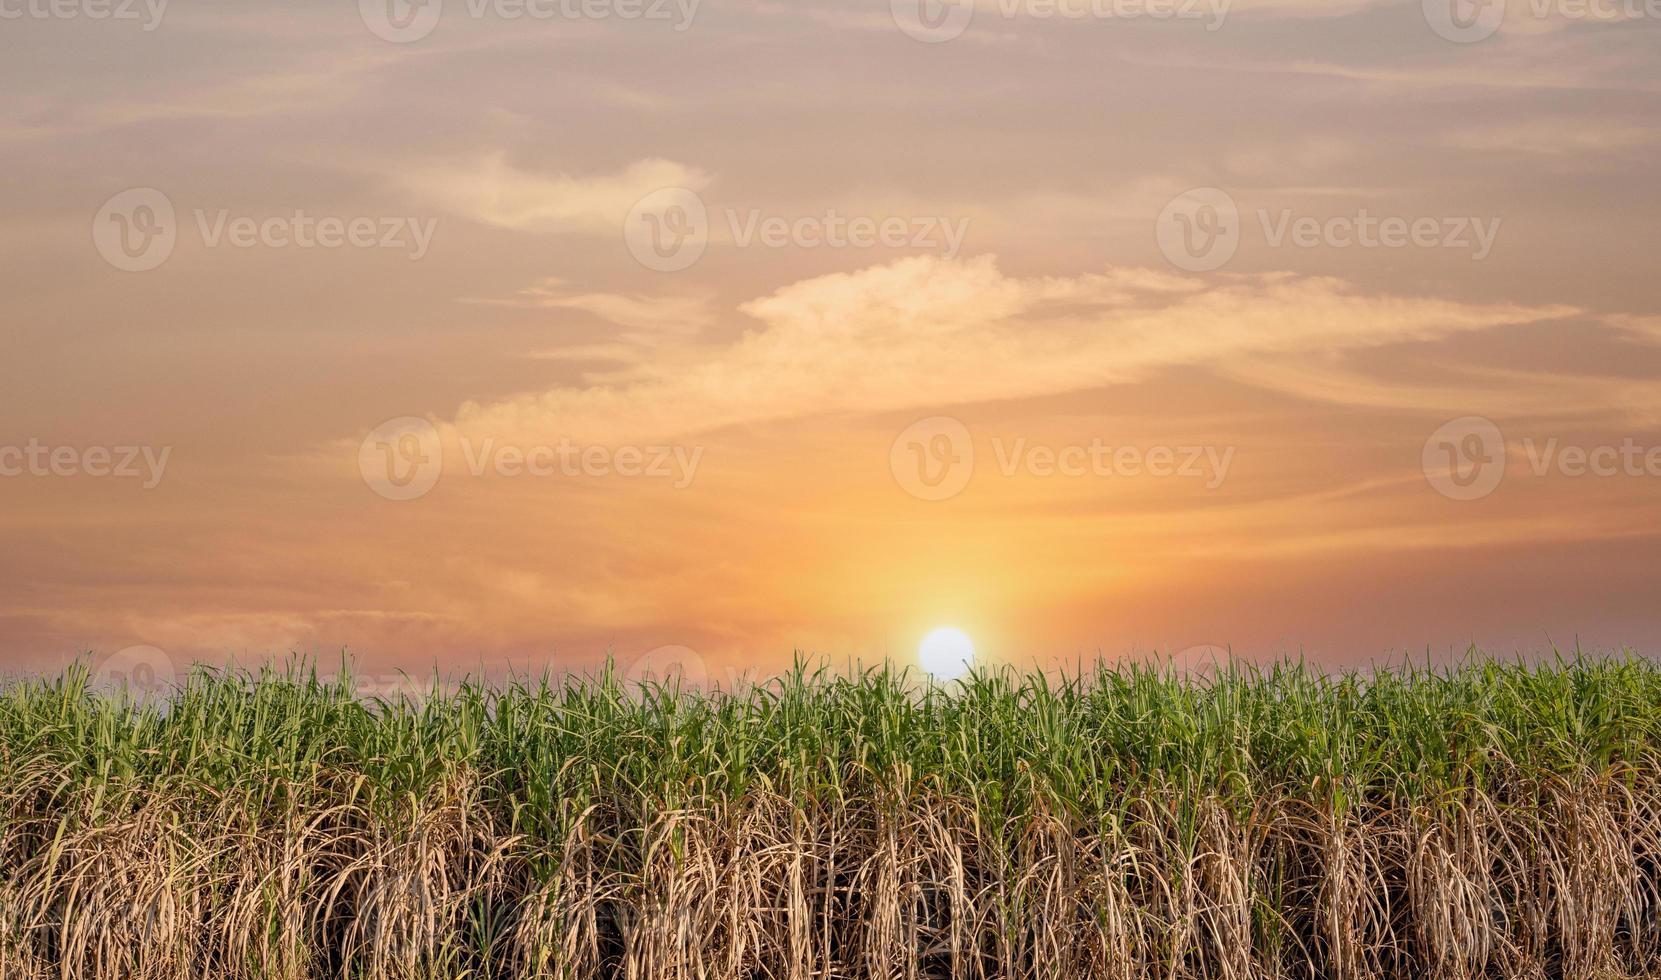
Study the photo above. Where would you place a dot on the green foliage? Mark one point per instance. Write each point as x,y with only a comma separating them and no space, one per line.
544,750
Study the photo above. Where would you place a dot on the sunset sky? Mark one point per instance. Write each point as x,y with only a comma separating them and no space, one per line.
752,327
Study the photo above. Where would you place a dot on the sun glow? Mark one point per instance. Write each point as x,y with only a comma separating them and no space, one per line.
947,653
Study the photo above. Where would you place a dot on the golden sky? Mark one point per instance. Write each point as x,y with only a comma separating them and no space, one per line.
491,332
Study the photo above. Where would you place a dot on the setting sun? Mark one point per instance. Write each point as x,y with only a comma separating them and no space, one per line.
947,653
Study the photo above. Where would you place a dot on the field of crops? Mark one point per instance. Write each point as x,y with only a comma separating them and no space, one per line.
1492,820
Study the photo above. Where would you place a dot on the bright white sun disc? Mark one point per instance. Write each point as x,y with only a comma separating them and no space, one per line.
946,653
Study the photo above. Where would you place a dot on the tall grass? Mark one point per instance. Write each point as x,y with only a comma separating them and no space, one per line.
1488,820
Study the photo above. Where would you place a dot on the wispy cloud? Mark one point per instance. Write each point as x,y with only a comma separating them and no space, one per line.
929,331
492,190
